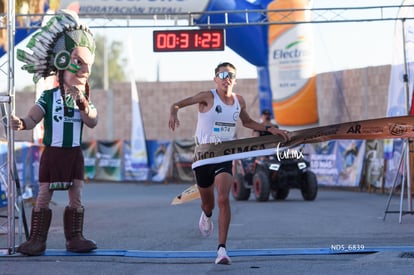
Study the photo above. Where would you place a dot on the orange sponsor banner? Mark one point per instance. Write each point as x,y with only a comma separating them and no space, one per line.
291,63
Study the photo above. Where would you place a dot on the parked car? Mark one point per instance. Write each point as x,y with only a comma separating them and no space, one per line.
273,175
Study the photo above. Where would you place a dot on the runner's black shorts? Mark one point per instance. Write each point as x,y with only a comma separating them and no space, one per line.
205,174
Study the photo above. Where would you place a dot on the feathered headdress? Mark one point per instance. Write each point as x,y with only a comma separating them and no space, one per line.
52,44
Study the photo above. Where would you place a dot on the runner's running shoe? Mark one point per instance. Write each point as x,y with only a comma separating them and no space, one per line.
205,224
222,257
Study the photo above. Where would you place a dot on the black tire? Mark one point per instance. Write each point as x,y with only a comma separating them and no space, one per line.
309,187
238,189
261,186
280,194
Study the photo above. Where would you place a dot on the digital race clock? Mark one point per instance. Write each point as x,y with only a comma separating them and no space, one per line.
188,40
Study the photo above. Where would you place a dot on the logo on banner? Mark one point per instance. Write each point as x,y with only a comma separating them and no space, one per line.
398,129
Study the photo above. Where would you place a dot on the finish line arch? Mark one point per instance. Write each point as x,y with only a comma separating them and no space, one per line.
205,20
250,41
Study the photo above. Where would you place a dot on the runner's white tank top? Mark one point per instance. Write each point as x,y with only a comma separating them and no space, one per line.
219,123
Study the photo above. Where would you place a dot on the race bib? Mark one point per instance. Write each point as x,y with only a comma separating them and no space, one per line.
224,130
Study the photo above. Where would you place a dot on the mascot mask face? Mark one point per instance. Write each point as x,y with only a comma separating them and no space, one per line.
52,45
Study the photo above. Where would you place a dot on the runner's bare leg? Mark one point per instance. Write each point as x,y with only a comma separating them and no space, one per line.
223,182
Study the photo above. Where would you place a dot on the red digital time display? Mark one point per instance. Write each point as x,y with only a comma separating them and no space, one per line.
188,40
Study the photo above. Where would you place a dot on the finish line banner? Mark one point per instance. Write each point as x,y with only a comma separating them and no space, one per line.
136,9
380,128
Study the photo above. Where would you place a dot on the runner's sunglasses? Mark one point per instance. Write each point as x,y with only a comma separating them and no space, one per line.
224,75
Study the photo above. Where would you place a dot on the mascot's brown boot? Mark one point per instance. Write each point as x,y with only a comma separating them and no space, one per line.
36,244
73,227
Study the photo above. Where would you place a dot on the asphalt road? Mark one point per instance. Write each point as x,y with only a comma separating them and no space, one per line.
138,231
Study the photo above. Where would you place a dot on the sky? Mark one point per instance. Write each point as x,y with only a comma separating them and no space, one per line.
338,46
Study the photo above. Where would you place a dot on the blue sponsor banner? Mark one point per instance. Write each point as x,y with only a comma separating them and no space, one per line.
3,174
350,161
323,162
134,169
3,187
393,167
159,159
337,162
23,159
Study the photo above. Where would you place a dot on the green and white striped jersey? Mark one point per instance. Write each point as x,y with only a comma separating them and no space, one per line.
61,128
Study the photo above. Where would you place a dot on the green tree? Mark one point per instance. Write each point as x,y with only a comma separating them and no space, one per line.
115,63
